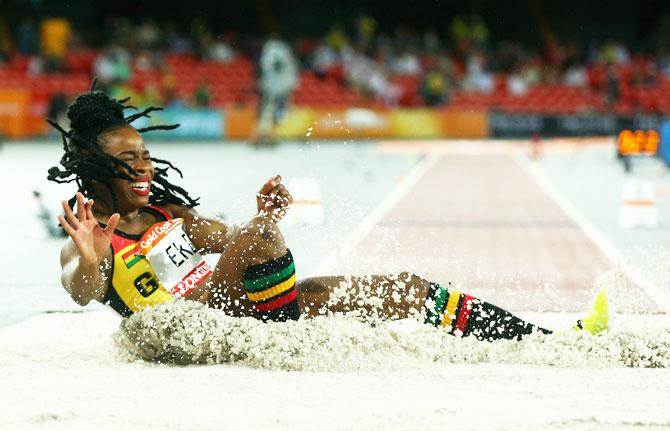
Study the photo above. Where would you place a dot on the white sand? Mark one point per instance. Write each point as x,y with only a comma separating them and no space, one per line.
62,371
186,333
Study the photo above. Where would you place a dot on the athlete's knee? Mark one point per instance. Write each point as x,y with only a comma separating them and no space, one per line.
313,286
406,276
270,286
411,278
263,231
259,240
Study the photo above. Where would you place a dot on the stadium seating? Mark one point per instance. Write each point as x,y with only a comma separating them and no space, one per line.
233,83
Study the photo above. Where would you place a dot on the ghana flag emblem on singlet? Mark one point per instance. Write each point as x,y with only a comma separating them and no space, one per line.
128,255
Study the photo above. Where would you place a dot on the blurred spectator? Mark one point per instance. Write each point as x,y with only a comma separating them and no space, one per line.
278,78
57,110
5,40
201,38
365,31
576,76
469,33
176,41
152,95
122,90
148,35
532,71
368,76
479,32
645,74
664,61
112,65
434,89
460,32
35,66
516,84
337,38
220,51
27,38
170,90
146,60
55,35
431,42
202,95
478,78
324,57
406,63
611,86
615,53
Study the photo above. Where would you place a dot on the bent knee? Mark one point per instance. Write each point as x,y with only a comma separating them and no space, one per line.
259,234
312,285
408,277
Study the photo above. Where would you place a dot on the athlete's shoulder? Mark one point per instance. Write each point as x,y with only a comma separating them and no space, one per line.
166,210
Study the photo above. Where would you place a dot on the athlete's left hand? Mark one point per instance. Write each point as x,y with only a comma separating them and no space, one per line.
273,199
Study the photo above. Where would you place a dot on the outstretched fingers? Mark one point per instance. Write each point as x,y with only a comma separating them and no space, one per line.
111,224
65,225
69,215
82,214
89,209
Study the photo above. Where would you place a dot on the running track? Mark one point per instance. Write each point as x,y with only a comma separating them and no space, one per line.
482,223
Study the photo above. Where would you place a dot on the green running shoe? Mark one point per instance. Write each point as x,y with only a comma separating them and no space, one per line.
597,318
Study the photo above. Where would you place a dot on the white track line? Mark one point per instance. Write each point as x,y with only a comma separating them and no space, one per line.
355,237
593,233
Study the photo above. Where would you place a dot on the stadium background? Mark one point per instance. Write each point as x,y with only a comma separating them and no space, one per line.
377,69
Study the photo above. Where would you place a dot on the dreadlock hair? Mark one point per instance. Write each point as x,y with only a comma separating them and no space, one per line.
91,114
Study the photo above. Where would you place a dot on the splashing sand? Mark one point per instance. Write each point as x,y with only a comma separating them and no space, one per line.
190,333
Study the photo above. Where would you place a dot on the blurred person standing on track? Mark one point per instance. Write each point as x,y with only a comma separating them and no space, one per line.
278,77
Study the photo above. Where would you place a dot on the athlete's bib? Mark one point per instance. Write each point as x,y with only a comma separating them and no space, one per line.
173,258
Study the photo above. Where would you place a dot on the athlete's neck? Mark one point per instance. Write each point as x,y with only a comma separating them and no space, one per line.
126,216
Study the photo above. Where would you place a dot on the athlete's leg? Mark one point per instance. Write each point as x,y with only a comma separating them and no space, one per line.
386,296
405,294
256,257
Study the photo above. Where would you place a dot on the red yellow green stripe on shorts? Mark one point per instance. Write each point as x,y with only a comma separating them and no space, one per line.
270,286
448,308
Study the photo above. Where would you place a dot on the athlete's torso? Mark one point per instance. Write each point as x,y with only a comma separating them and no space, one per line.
134,284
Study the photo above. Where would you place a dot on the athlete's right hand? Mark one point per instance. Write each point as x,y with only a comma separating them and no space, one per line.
91,240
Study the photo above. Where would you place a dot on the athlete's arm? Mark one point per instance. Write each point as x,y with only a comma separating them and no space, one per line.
212,236
84,280
206,234
85,276
273,199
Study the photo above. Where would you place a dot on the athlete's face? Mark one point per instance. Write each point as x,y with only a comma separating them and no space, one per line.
126,144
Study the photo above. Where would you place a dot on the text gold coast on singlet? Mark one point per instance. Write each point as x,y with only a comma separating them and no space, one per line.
155,267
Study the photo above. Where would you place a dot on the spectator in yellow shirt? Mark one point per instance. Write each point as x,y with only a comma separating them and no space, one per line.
55,34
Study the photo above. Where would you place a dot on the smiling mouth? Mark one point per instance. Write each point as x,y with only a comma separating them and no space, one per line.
141,187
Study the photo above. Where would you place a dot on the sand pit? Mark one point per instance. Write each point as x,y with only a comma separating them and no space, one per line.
63,371
189,333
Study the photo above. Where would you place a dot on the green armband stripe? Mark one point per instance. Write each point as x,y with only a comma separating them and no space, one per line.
269,280
440,299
